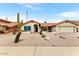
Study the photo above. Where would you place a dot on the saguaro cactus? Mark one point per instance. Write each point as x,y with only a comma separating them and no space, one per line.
18,18
19,25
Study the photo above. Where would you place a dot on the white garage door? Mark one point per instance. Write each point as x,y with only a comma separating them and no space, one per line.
67,29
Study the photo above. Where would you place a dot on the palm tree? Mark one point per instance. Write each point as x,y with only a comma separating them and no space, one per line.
18,29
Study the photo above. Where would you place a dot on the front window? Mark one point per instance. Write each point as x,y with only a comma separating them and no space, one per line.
27,28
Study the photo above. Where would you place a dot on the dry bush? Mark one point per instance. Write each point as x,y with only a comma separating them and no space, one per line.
62,37
43,36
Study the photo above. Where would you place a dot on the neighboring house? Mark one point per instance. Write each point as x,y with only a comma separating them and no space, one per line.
31,26
63,26
67,26
7,26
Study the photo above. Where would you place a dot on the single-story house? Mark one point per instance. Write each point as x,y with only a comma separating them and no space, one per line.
7,26
67,26
63,26
32,26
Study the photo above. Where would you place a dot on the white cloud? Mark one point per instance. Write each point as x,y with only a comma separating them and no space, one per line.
12,18
55,20
29,5
38,20
74,14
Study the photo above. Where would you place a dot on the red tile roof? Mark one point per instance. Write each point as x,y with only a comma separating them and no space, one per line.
76,22
11,24
7,23
2,20
48,24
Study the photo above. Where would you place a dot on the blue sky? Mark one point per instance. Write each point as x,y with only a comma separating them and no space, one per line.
50,12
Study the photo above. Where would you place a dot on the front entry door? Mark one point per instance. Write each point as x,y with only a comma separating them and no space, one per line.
76,29
36,28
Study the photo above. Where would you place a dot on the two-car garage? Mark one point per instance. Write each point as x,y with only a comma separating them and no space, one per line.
67,26
66,29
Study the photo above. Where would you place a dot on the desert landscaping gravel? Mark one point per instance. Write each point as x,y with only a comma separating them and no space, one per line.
51,39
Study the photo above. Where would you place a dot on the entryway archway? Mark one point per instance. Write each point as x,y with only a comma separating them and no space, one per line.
76,29
35,28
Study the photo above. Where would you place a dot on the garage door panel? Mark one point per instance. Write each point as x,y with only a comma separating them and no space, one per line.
67,29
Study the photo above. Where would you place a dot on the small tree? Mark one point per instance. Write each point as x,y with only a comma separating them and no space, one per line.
45,22
41,32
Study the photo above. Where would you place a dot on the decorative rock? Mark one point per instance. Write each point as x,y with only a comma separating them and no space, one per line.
62,37
47,38
43,35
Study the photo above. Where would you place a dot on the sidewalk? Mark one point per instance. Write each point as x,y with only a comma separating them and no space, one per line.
39,51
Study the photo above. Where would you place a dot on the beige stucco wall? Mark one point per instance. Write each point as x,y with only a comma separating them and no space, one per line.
32,26
2,28
53,29
64,24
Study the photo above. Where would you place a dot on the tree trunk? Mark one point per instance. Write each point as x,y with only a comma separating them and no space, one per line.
17,37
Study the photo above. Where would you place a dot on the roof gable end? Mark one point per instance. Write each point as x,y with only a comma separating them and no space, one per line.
31,21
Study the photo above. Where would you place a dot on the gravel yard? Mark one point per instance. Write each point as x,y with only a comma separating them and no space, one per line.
35,39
